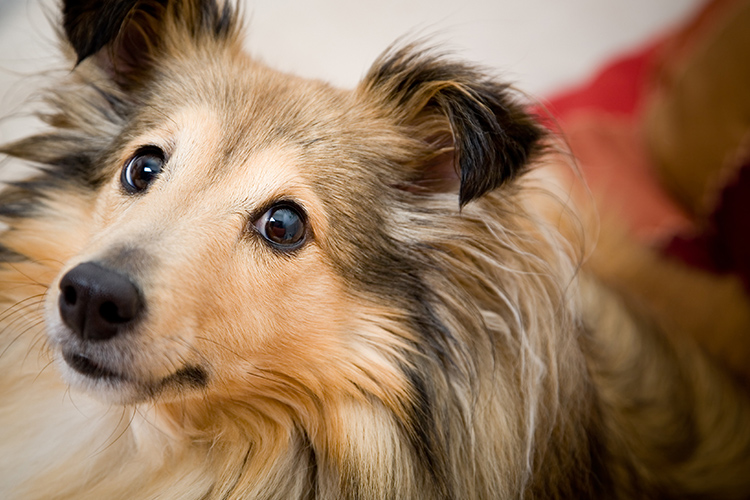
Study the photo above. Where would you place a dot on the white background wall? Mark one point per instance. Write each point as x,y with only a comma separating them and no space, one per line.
542,45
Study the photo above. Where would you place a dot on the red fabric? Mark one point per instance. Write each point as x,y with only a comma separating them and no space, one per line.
618,88
600,123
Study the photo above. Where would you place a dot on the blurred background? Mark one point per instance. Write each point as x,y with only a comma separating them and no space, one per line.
542,45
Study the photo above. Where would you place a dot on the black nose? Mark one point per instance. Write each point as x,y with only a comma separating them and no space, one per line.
98,303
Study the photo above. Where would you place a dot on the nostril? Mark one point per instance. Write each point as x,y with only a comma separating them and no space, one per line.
70,295
111,313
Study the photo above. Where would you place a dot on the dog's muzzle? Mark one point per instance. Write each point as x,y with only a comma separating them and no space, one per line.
97,303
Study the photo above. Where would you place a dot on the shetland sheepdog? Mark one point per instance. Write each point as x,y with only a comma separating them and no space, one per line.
226,282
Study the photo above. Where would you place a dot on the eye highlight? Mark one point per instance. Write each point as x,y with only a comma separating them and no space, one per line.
283,226
142,169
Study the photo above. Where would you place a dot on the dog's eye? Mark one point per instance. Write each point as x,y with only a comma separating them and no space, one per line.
283,226
141,170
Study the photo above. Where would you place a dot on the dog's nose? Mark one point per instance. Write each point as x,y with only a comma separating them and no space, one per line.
98,303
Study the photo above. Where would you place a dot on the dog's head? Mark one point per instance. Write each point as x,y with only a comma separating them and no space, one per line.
240,232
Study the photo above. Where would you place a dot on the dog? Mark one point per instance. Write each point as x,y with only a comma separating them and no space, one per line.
226,282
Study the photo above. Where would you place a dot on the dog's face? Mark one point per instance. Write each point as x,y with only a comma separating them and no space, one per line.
207,261
248,233
203,254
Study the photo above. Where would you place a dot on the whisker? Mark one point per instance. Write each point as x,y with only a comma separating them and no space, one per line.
39,337
69,395
109,442
32,281
20,334
226,348
50,362
141,412
16,307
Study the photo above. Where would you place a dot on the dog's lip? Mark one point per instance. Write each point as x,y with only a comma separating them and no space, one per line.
86,366
190,375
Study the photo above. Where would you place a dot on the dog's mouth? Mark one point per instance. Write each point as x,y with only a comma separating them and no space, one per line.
94,324
86,366
189,376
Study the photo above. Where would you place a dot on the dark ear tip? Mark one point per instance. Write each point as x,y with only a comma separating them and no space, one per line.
81,55
466,195
509,153
89,25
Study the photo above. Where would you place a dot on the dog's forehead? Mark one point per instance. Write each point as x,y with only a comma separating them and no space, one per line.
238,112
206,158
255,104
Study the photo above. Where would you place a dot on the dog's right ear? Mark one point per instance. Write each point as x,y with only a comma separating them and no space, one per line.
126,37
92,24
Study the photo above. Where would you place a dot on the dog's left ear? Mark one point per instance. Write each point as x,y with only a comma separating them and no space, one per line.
478,137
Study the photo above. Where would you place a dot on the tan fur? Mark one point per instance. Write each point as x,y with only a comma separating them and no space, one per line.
412,348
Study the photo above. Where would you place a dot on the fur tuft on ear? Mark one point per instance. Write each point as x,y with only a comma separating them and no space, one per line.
125,35
471,121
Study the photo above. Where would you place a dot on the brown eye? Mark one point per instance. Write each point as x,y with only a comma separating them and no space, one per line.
283,226
142,169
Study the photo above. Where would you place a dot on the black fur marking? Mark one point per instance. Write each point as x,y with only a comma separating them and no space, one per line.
18,200
18,209
120,107
192,376
420,432
79,166
66,157
312,466
433,408
218,21
92,24
86,366
9,256
245,461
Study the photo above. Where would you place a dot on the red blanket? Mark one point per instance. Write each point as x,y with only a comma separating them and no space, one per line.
661,137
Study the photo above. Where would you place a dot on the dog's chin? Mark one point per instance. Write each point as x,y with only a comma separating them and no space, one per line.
113,386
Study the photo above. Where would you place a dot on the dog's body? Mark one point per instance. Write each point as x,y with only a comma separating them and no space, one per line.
263,287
